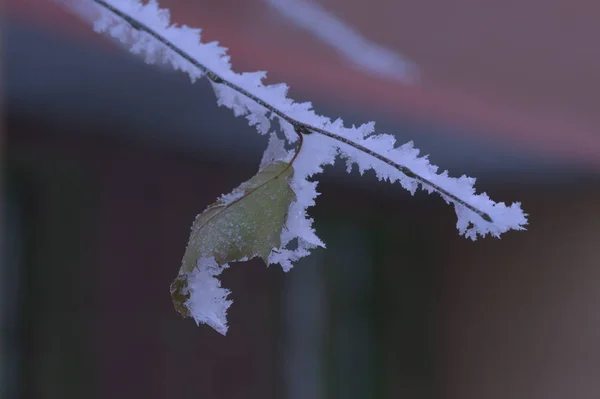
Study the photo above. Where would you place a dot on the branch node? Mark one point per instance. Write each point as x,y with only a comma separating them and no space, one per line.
214,77
301,129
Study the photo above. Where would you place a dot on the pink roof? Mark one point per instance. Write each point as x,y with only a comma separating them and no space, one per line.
523,73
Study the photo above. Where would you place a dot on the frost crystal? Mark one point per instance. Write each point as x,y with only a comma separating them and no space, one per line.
207,301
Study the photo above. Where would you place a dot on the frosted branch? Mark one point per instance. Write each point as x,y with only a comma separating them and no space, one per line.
286,235
298,125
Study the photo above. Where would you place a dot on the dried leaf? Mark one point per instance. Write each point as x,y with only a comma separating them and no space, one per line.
240,226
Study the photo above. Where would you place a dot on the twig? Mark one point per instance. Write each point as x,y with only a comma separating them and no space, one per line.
302,127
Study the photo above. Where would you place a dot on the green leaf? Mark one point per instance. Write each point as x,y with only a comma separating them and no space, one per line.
240,226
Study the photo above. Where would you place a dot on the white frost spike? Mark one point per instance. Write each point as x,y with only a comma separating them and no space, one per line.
275,151
208,302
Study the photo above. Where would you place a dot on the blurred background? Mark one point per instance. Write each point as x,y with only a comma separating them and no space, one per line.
108,161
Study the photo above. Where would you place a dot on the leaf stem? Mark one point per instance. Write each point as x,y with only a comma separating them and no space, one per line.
300,127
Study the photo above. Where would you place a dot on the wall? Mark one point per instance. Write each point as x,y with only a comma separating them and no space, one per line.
520,315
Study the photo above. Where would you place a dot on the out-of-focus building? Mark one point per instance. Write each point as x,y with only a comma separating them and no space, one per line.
109,160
